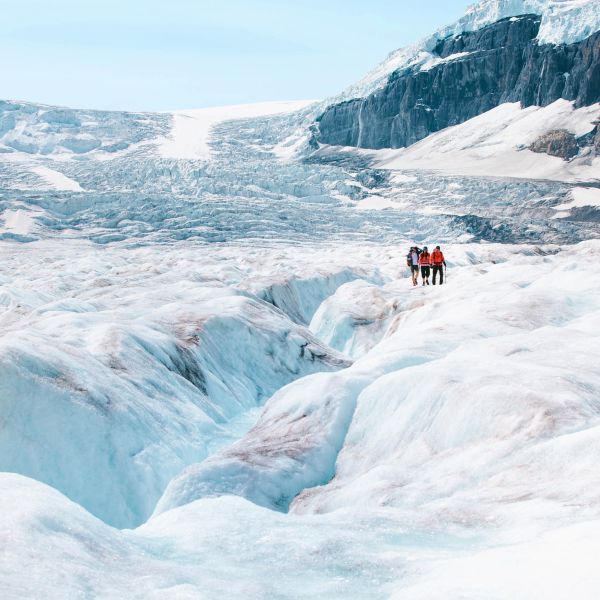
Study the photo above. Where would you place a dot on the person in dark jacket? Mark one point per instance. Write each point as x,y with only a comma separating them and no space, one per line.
412,261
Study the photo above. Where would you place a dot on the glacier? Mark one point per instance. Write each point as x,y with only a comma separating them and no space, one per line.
217,381
460,437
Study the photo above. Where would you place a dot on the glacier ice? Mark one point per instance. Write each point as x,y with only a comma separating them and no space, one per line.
460,438
214,374
130,366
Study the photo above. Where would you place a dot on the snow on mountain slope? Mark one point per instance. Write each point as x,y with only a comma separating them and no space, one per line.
29,131
495,144
582,197
190,133
56,180
19,221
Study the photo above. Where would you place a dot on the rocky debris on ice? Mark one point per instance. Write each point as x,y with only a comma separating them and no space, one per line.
558,142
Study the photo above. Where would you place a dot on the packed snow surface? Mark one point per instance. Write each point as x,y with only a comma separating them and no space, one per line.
57,180
582,197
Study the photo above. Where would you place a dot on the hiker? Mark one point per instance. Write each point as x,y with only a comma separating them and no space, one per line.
425,264
438,262
412,261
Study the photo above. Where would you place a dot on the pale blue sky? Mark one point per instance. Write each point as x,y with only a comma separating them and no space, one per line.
169,54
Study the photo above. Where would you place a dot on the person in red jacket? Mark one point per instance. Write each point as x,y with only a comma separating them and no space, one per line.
425,264
438,262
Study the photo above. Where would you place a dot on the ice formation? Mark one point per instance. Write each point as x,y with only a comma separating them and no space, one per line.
460,436
496,144
215,378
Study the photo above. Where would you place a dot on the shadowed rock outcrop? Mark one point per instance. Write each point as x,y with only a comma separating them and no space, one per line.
471,74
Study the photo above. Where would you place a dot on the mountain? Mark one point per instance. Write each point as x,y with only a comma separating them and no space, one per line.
532,59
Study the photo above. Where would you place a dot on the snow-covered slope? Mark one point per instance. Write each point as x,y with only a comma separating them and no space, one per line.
31,130
191,129
496,144
538,53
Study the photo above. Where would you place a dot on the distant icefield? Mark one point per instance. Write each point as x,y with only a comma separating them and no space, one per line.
216,380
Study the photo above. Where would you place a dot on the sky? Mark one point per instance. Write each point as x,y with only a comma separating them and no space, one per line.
156,55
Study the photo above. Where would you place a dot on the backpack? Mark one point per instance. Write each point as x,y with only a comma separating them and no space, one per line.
409,257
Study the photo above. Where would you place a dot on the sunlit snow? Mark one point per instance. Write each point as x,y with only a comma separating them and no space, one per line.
496,144
217,381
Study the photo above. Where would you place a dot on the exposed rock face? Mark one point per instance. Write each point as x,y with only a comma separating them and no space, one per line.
476,72
559,143
597,140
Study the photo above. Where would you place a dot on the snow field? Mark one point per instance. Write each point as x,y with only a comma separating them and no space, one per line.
57,181
495,144
191,130
582,197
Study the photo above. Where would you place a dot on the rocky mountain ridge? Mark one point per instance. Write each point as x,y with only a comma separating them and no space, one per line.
467,75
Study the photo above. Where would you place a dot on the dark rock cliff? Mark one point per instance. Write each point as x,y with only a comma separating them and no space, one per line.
504,63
